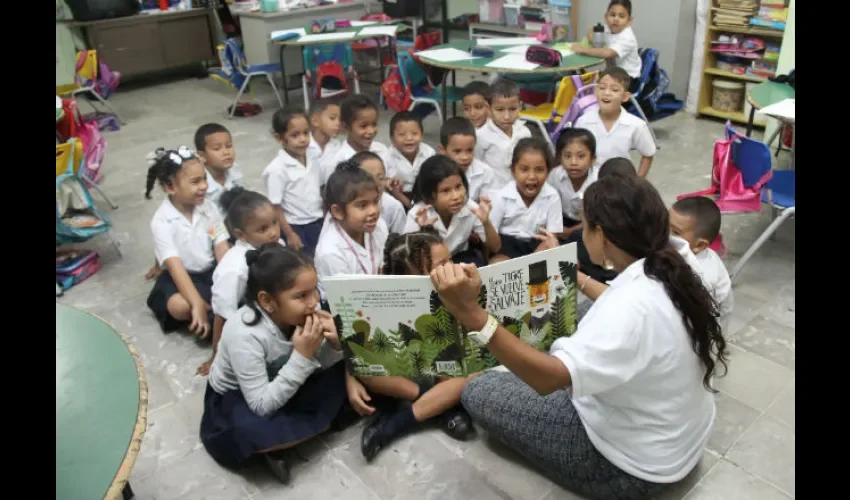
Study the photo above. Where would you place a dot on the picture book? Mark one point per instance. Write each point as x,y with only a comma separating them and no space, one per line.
398,325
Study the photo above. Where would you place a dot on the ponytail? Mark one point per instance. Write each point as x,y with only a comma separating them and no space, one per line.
404,253
164,164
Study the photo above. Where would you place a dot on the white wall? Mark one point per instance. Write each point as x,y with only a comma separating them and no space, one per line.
664,25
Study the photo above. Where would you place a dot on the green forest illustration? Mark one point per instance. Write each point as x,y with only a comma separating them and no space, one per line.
435,344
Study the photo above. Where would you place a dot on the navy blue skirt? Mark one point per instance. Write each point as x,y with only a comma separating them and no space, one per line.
232,432
309,234
164,288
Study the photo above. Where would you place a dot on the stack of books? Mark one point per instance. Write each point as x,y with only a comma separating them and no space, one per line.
771,14
734,13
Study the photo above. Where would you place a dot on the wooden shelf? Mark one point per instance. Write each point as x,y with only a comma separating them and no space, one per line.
735,116
734,76
748,31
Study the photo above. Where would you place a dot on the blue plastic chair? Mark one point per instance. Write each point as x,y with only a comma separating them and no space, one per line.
422,90
236,72
754,160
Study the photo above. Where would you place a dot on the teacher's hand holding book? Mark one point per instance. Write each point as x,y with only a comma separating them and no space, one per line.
458,286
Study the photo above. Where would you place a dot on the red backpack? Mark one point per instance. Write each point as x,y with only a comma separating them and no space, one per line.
396,96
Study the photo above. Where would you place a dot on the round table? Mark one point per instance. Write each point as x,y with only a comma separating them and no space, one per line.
356,37
101,408
765,94
573,62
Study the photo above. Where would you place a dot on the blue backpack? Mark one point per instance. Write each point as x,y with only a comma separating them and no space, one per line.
653,97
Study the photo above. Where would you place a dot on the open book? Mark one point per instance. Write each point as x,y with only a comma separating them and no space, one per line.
397,325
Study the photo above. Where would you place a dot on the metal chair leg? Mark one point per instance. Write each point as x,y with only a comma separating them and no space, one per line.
106,105
90,183
305,91
643,116
238,95
788,212
274,88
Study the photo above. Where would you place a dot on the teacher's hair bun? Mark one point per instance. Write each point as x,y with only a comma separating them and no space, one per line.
347,165
251,256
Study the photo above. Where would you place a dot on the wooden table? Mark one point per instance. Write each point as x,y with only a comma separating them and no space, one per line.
574,62
101,408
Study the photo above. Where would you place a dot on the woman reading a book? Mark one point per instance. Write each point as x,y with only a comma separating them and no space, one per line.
624,406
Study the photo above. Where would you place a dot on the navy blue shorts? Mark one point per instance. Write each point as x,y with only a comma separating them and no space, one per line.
513,247
309,234
164,288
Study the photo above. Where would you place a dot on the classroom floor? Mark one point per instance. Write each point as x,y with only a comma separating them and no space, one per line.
751,452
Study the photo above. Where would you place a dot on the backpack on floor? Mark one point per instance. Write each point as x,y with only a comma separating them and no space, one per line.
653,97
88,131
75,266
396,96
77,217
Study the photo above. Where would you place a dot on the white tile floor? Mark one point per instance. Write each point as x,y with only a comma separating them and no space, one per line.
750,456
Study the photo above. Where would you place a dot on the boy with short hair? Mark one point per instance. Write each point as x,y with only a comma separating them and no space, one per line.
475,106
617,166
405,156
616,130
457,141
502,130
214,146
697,221
324,127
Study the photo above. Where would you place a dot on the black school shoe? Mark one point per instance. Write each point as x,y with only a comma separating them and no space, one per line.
457,423
279,465
372,439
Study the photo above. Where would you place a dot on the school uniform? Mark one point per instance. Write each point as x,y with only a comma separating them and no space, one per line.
496,149
718,283
337,254
323,155
571,198
456,236
235,177
262,393
628,132
230,279
637,384
517,224
192,242
396,165
296,189
625,45
344,153
392,211
481,180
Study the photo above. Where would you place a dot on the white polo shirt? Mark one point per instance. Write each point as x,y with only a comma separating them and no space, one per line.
625,45
718,282
344,153
320,154
191,241
396,165
295,187
511,217
456,236
636,381
337,254
629,132
235,177
481,180
496,149
392,211
570,197
230,279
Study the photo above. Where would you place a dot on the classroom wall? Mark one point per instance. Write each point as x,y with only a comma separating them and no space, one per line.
786,58
664,25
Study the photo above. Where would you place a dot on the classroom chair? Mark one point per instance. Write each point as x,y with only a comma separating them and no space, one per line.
547,115
649,60
236,72
422,89
85,80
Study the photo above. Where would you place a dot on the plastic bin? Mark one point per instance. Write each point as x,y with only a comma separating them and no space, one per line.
727,96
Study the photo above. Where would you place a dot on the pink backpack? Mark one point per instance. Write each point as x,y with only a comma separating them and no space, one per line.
74,266
94,144
727,183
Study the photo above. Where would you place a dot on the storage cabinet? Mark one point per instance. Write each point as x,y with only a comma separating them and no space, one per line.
151,42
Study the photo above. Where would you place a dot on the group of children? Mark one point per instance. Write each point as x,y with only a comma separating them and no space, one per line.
248,267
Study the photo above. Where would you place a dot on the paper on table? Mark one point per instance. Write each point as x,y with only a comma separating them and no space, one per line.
519,49
326,36
379,30
446,55
564,49
783,110
357,24
279,33
512,61
507,41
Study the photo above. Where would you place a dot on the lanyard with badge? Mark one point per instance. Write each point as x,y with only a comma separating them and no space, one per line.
371,251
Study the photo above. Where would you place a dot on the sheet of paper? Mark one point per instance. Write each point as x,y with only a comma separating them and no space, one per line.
279,33
783,110
519,49
357,24
512,61
379,30
321,37
507,41
446,55
564,49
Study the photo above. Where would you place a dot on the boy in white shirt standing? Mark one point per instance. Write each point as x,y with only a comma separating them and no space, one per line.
324,125
405,156
502,131
616,130
697,220
621,46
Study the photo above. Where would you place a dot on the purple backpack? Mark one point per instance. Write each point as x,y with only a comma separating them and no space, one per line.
583,101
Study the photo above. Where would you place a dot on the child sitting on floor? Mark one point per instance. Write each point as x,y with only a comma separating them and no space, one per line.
406,154
292,181
576,151
697,221
278,378
324,125
214,145
441,200
189,239
392,211
414,253
457,141
359,117
475,106
616,130
252,220
502,131
617,166
528,203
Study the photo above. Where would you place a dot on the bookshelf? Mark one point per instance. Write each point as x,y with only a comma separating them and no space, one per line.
710,70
